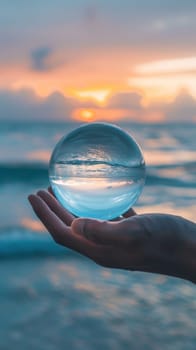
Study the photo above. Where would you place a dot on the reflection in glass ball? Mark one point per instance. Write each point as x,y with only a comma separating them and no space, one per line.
97,171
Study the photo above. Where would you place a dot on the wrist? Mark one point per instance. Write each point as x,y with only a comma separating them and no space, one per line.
174,253
187,254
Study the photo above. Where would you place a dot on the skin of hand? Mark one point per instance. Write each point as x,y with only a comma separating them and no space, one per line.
157,243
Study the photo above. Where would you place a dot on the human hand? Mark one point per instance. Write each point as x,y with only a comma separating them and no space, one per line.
159,243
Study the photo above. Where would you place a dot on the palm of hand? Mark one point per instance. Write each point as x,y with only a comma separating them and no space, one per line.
149,242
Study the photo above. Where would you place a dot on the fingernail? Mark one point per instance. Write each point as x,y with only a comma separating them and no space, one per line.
30,197
40,192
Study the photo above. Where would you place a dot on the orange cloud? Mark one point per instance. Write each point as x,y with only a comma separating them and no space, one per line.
163,79
127,106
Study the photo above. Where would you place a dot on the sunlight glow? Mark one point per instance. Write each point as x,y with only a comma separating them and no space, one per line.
163,87
98,95
85,115
32,224
40,155
167,66
99,114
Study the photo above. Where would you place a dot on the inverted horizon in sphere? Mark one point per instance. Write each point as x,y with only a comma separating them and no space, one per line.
97,171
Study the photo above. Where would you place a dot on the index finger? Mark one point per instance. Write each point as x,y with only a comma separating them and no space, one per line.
50,220
61,233
56,207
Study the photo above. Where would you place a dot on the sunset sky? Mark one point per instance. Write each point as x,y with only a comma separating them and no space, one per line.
98,60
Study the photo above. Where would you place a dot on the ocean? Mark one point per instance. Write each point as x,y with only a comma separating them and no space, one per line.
52,298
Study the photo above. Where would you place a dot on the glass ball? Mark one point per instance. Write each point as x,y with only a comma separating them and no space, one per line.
97,171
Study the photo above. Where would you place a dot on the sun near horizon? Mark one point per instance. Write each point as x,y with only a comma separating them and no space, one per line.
84,115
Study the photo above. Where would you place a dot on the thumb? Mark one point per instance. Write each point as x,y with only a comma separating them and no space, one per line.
94,230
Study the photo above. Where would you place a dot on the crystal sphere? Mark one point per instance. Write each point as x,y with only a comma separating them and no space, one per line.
97,171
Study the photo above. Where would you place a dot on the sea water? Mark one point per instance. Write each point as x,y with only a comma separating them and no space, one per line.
50,288
97,171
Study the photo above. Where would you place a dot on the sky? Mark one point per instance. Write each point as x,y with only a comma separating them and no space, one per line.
89,60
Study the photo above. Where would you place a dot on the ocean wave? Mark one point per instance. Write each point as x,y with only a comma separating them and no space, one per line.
189,165
20,242
38,172
153,179
23,172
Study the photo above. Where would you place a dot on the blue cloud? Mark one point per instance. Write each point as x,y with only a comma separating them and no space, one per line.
125,100
40,59
26,105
